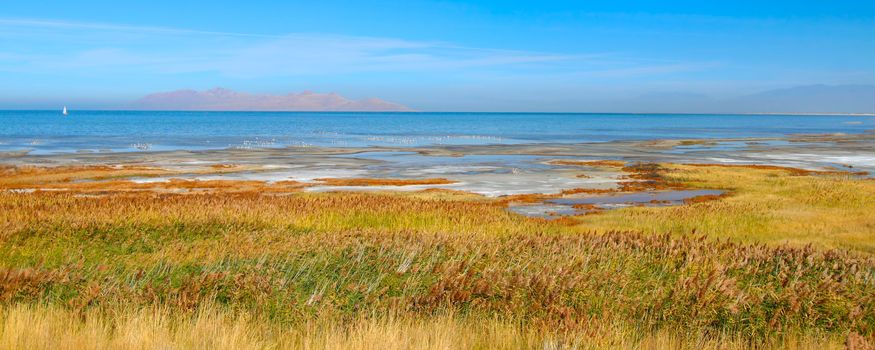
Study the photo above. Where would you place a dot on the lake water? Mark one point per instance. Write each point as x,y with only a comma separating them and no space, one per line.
43,132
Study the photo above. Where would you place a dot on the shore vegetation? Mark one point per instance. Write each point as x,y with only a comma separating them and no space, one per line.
783,260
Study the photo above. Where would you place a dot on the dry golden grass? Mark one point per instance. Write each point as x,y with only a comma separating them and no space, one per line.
38,328
790,170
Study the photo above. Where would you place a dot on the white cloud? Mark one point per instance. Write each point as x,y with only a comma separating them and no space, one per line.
48,24
46,45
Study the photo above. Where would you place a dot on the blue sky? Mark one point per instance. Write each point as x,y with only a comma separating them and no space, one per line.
480,56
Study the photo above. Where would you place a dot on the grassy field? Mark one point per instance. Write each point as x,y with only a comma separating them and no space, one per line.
785,260
764,204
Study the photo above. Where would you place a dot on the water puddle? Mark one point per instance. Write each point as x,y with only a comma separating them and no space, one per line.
582,205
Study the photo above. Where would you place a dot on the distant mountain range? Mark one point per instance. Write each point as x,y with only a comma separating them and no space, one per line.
811,99
220,99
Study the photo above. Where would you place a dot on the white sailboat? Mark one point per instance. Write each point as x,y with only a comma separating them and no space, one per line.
65,110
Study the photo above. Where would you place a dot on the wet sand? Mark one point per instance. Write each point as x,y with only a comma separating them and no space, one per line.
489,170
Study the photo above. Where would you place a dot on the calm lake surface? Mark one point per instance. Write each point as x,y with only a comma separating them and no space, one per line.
45,132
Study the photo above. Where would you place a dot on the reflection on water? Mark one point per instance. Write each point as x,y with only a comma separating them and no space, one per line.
581,205
652,197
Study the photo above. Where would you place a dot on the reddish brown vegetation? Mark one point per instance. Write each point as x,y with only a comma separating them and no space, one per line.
103,179
382,182
704,198
646,177
591,163
10,176
586,206
587,190
102,187
641,177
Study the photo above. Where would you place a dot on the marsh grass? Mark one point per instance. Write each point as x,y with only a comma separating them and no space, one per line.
775,205
437,269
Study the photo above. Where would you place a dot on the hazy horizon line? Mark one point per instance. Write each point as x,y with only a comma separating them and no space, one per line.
440,112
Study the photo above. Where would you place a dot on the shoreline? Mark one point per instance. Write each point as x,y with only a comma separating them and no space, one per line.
524,174
231,242
854,114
